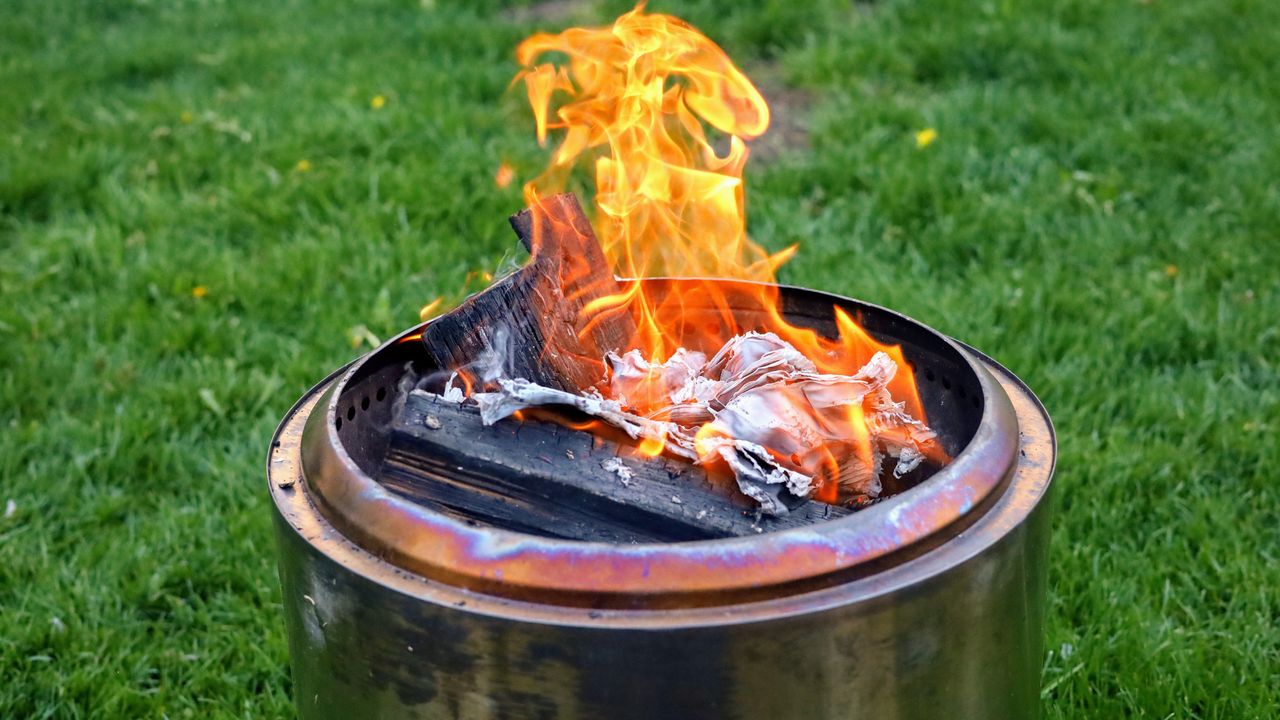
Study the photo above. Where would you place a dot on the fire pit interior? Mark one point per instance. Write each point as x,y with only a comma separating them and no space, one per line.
422,447
358,477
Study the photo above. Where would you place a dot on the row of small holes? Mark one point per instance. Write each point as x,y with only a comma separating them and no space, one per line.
946,384
379,396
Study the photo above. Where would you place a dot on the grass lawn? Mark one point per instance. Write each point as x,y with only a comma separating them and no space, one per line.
202,212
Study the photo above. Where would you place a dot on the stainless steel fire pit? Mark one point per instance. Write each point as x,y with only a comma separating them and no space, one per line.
927,604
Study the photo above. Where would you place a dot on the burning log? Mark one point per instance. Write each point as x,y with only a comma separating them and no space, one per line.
538,310
759,408
789,412
552,480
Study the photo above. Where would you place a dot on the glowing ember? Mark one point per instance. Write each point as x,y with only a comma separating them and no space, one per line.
639,103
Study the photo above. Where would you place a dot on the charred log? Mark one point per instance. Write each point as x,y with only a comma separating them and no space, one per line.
547,479
538,310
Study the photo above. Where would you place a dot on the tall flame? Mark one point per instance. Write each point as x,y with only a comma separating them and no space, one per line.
641,102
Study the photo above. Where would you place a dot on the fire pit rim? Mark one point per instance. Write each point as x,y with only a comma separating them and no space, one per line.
509,563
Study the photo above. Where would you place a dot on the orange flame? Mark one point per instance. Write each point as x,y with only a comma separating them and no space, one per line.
640,102
504,175
431,309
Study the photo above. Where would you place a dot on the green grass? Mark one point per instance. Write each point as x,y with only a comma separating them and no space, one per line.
1101,212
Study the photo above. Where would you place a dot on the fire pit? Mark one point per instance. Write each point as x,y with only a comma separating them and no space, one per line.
591,491
929,599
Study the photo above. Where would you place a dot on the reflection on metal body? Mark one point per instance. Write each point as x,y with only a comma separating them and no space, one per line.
927,605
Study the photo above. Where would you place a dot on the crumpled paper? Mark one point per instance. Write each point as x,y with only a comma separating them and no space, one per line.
759,405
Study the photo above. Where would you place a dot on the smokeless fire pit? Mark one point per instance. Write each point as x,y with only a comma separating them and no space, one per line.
926,603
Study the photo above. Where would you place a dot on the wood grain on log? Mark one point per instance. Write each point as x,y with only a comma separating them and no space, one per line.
547,479
536,314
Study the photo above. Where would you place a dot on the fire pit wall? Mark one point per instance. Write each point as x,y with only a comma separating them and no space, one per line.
928,603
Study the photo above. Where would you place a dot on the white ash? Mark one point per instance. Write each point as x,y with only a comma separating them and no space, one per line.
411,380
453,392
769,414
513,394
617,467
756,471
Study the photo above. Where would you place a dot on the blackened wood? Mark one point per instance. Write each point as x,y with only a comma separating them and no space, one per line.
537,311
547,479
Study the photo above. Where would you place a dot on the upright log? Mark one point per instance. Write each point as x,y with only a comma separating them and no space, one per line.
534,317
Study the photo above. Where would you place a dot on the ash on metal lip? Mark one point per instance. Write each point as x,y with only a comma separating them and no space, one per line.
512,564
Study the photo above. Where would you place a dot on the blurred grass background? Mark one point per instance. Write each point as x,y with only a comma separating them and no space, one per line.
203,210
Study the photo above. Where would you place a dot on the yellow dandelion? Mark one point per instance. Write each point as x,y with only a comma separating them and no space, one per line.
925,137
199,292
304,165
1170,270
377,102
504,176
187,117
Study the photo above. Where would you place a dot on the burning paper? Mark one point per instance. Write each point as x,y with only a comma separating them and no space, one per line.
759,407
